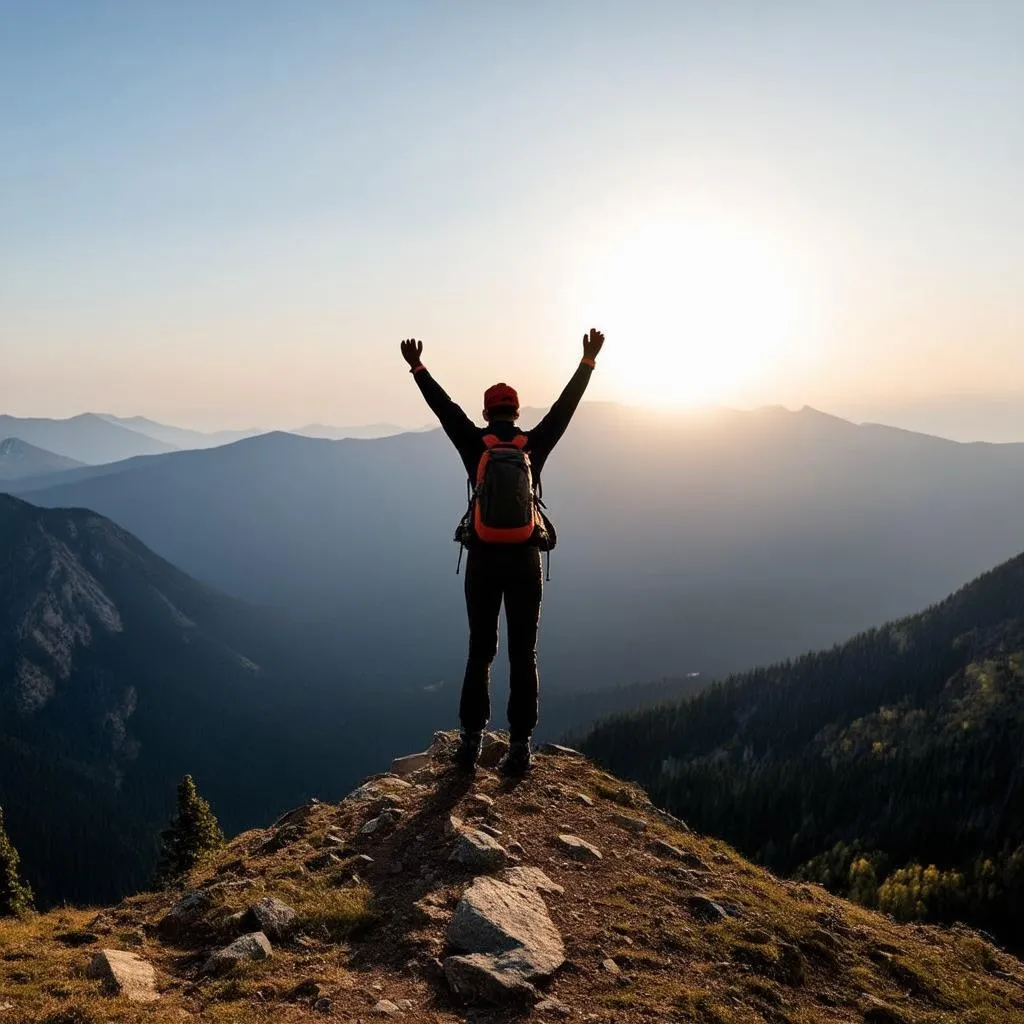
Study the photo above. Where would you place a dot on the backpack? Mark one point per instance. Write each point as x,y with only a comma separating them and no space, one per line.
505,506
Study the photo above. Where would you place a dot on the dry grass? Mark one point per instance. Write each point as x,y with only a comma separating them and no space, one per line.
787,954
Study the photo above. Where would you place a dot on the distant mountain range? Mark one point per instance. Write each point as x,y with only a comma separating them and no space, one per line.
688,543
19,460
903,746
99,439
88,438
179,437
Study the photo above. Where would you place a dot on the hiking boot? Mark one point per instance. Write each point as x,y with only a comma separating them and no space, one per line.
517,761
468,752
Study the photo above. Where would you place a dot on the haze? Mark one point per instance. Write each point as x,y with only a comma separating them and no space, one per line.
228,214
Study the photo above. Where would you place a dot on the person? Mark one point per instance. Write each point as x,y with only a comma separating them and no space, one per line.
497,572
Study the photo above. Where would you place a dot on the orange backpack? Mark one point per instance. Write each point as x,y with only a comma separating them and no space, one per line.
504,502
505,506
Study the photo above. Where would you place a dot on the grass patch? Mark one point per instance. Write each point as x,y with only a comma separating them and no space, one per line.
323,909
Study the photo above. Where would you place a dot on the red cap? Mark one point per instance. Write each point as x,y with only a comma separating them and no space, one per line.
500,396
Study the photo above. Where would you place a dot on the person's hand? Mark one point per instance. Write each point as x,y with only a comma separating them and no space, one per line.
411,352
592,343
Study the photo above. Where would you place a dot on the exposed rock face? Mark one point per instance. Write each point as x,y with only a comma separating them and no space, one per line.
272,917
507,938
247,949
124,974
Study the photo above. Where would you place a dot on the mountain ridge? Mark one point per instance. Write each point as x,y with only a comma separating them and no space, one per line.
428,896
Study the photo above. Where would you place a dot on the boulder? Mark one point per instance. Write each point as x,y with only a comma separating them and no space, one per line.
478,851
248,949
410,764
187,914
532,878
124,974
578,849
495,918
272,917
489,979
386,1008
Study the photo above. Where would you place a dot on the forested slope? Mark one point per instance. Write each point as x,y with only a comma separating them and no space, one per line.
863,765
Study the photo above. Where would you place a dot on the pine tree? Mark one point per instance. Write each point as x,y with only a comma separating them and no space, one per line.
193,832
15,895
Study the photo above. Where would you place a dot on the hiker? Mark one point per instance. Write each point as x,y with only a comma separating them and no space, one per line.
504,532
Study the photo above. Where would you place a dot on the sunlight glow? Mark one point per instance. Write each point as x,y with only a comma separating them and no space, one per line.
697,310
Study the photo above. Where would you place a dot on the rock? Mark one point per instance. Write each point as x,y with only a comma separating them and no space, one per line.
480,803
691,860
493,749
333,840
321,861
585,800
247,949
491,831
706,909
187,913
532,878
387,788
556,750
406,1004
308,989
578,849
124,974
624,821
403,766
553,1005
323,1005
495,918
272,917
300,815
453,826
491,979
611,967
386,1008
516,849
673,822
478,851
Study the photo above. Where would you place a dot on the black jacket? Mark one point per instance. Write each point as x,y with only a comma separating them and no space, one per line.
468,437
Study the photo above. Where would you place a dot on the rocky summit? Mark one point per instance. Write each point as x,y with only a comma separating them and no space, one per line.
431,896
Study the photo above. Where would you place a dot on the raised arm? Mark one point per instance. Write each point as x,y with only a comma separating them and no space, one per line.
456,424
549,431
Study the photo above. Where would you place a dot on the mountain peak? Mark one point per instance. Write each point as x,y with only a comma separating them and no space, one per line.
425,893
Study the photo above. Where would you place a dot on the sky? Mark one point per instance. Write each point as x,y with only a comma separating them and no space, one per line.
227,213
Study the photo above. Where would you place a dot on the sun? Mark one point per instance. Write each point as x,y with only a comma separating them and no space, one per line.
698,312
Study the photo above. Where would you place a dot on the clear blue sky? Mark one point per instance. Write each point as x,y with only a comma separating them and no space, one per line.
230,212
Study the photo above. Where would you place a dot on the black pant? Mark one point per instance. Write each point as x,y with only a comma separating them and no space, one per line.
514,574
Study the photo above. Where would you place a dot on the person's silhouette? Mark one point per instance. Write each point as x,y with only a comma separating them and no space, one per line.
502,571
